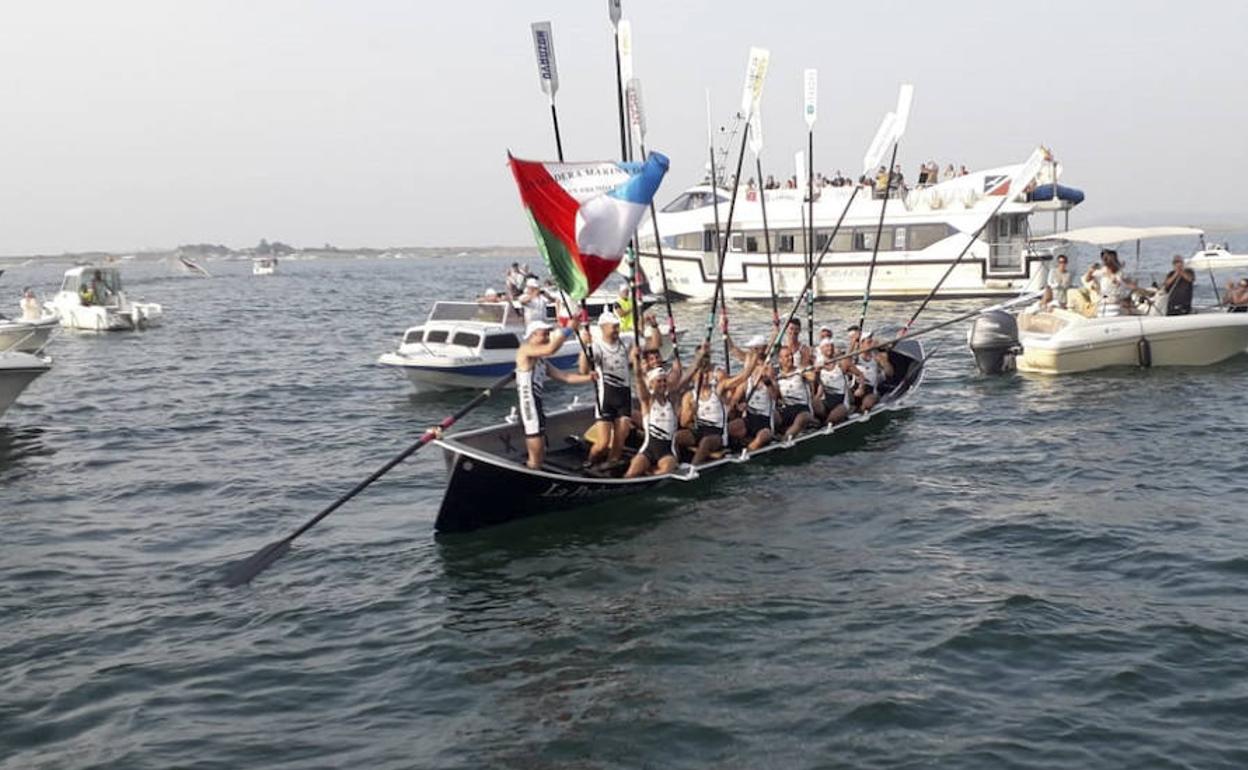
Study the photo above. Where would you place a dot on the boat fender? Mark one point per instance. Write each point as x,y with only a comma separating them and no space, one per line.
1145,353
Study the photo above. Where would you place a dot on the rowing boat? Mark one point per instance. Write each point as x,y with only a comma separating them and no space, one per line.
490,483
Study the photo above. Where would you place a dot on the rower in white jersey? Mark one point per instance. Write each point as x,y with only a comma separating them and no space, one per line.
875,367
825,336
760,394
704,414
613,405
658,398
532,369
832,385
794,385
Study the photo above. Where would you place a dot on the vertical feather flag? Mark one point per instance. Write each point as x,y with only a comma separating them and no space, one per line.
583,214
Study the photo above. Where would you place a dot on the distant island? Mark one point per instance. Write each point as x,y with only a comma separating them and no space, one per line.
266,248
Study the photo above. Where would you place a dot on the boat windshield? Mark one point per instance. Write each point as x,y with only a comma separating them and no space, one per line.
483,312
104,281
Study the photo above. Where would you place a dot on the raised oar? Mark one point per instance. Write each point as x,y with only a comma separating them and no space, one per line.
613,8
245,571
810,83
904,98
548,76
637,119
1018,183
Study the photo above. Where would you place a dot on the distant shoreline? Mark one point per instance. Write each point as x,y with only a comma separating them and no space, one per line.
222,253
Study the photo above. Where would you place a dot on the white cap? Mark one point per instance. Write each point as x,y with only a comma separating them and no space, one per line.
491,293
607,318
535,327
867,333
823,329
531,283
655,374
757,341
624,291
828,342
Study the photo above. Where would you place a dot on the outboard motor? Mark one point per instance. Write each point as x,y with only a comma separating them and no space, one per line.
994,341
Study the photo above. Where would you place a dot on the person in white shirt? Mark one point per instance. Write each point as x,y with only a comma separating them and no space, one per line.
533,301
1113,286
532,371
30,306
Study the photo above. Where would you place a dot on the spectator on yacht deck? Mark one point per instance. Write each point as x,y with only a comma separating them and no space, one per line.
963,171
1179,283
1237,296
950,173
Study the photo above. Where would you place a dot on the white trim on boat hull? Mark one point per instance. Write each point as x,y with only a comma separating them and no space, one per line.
26,336
17,371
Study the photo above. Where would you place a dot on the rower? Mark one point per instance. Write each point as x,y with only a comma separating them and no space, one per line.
825,337
794,386
706,427
532,370
793,340
852,335
831,386
657,454
614,405
760,389
875,367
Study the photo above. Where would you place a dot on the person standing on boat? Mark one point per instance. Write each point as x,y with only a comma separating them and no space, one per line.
1112,285
1058,284
794,386
533,301
613,406
532,371
30,306
624,309
1179,283
514,282
657,395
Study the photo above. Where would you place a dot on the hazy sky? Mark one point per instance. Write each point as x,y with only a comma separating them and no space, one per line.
129,125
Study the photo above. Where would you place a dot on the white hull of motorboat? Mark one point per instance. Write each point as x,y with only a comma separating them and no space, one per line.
17,371
1063,342
434,373
264,267
26,336
1217,258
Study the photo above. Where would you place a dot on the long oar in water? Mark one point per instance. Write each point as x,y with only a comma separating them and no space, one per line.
1018,183
243,572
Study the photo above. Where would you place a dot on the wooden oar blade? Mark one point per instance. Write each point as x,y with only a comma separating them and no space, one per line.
242,572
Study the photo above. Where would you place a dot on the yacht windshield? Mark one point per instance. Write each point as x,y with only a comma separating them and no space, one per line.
484,312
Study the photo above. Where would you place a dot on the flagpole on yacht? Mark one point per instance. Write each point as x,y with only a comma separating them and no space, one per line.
904,99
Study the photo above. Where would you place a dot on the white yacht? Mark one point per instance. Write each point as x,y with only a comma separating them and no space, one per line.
466,345
92,298
18,370
1081,337
1214,256
264,266
917,244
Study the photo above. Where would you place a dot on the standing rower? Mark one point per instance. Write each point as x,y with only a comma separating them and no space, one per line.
614,405
532,369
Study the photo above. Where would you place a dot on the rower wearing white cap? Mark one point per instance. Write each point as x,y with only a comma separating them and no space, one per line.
762,393
532,369
872,364
658,398
825,337
704,414
794,386
614,403
832,385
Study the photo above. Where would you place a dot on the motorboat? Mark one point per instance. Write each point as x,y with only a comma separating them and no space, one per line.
1214,256
489,482
264,266
26,336
17,371
92,298
466,345
1083,337
192,267
924,230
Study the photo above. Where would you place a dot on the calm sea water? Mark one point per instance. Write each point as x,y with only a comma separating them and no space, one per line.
1019,572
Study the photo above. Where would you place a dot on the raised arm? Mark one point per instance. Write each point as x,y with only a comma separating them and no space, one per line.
568,378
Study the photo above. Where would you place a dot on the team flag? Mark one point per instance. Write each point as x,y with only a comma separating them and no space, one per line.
583,214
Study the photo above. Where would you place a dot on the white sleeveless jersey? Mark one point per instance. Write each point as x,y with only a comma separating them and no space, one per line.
793,390
760,400
711,411
870,371
529,387
660,424
611,361
833,380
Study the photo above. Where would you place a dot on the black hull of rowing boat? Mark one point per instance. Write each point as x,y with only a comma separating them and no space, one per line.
490,485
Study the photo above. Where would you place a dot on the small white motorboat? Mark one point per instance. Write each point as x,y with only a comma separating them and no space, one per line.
1216,257
264,266
466,345
18,370
194,268
26,336
92,298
